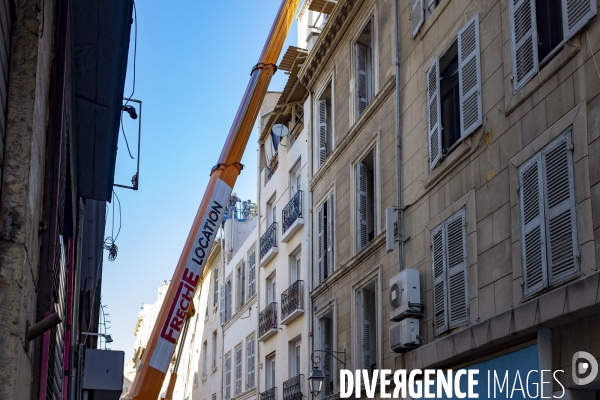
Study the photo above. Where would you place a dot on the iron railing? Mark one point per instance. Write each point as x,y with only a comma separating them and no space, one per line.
292,388
267,319
292,211
292,299
268,240
269,394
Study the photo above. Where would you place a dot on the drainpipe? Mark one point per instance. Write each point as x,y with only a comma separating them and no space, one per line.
398,142
309,283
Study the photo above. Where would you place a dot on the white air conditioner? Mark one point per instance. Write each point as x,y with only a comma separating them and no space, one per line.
404,335
405,295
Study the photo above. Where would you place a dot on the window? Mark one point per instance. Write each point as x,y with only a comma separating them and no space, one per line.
325,124
271,211
206,313
241,284
228,375
295,267
549,247
364,74
365,200
250,367
450,273
454,94
325,239
251,273
215,287
238,370
214,396
214,351
226,302
325,327
420,10
295,179
204,358
271,290
270,375
294,348
538,30
367,326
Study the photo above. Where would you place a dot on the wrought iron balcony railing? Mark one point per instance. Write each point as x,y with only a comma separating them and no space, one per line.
268,240
269,394
292,388
292,299
267,320
292,211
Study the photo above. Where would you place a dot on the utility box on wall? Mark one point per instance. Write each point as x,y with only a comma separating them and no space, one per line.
103,373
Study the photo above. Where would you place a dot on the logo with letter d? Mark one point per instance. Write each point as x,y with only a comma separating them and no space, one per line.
584,364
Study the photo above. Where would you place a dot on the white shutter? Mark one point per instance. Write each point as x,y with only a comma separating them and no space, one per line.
367,307
238,370
576,13
434,117
361,206
469,77
228,301
524,41
440,313
327,361
251,273
322,106
361,79
330,234
321,243
243,283
559,210
417,16
533,235
223,305
228,377
250,369
458,269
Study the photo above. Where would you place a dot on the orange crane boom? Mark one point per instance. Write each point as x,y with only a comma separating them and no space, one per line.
169,324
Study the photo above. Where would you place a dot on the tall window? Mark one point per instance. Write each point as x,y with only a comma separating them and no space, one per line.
241,284
325,229
228,375
250,366
367,326
204,358
365,200
450,273
271,290
226,303
215,287
549,246
420,10
214,350
295,179
294,349
364,73
238,370
295,267
325,338
325,124
270,375
251,273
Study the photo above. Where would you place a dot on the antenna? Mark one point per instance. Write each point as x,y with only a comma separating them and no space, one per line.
280,130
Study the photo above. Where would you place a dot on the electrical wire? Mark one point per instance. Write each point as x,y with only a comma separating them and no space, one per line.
592,52
109,242
134,73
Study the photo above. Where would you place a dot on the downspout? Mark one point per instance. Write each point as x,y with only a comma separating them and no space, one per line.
398,143
257,269
309,285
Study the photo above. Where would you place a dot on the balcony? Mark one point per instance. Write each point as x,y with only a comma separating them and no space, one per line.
292,304
268,244
292,217
267,321
292,388
269,394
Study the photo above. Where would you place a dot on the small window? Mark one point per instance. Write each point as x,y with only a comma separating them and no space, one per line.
251,273
238,370
270,375
204,358
364,73
250,366
365,200
326,334
228,376
214,351
325,239
325,124
367,326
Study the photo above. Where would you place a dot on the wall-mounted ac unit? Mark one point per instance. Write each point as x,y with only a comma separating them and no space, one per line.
405,295
404,335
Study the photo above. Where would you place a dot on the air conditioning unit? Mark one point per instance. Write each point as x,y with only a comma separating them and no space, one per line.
405,295
404,335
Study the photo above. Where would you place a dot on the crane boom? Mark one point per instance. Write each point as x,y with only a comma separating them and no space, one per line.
166,331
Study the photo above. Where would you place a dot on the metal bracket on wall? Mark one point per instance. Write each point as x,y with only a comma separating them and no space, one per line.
135,179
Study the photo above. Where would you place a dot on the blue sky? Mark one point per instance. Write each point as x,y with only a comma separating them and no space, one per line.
193,64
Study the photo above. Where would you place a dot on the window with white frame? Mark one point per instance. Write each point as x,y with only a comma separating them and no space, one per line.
214,351
325,228
204,358
364,68
271,211
366,306
228,375
295,179
250,366
539,29
365,200
226,302
294,350
238,370
325,124
251,273
420,11
270,374
215,286
450,273
241,284
325,340
453,90
271,289
295,266
548,220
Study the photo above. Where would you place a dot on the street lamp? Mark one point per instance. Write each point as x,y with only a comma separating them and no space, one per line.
316,377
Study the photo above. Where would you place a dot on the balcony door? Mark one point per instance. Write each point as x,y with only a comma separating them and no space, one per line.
271,291
295,269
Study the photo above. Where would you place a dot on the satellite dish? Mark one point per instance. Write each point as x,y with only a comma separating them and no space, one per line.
280,130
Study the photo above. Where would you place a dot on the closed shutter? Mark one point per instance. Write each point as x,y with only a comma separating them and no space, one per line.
330,234
469,77
434,117
576,13
327,361
238,370
243,283
524,43
229,302
251,274
417,16
559,210
458,269
321,243
367,334
361,78
223,305
250,374
361,206
322,106
228,377
440,313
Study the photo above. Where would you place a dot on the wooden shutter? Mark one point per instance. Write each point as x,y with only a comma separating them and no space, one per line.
228,377
361,78
458,269
250,369
321,243
469,77
417,16
361,206
524,42
327,361
533,235
434,117
223,305
576,13
329,238
251,273
243,283
559,210
440,313
322,106
367,322
238,370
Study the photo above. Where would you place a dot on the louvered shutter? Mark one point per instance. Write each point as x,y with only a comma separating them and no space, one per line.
250,374
576,13
533,235
327,345
417,16
458,269
228,377
367,306
251,273
434,117
223,305
524,42
559,210
330,234
361,206
469,77
243,283
440,313
321,242
322,106
238,370
361,78
229,302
